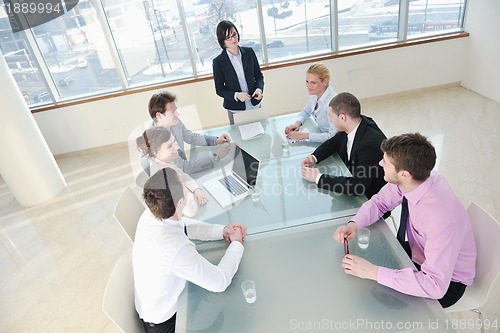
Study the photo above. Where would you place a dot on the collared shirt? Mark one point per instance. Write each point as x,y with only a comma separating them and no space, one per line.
350,140
156,164
183,135
439,233
164,259
191,207
320,115
238,68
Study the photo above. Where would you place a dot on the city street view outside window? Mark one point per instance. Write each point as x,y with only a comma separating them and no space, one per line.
97,47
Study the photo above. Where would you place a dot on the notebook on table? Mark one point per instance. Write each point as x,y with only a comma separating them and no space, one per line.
233,186
251,131
282,136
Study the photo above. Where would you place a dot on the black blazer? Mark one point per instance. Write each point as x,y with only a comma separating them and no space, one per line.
226,80
367,175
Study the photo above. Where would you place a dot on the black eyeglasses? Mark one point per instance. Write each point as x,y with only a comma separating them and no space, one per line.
233,35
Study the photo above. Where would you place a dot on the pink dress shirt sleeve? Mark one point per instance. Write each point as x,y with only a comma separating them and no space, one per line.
439,234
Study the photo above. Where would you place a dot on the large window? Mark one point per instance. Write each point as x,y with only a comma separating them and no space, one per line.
102,46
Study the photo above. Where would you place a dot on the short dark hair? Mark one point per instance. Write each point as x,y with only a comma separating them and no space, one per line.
346,103
151,140
162,192
158,101
223,30
412,152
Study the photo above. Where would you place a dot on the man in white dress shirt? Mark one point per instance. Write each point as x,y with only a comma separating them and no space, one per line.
164,258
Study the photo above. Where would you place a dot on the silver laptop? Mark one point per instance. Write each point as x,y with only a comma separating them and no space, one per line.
250,116
233,186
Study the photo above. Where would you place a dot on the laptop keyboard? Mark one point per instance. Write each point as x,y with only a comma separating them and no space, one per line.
233,185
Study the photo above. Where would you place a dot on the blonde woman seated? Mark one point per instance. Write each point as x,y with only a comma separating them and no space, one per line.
161,149
318,87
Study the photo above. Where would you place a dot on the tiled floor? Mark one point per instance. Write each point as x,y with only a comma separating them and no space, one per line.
56,258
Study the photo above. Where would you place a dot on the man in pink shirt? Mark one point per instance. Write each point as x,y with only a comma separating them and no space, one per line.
440,241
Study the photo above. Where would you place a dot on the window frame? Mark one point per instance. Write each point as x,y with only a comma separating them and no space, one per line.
124,88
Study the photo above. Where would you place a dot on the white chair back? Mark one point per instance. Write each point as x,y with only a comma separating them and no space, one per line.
127,212
134,155
486,230
144,174
144,162
118,302
250,116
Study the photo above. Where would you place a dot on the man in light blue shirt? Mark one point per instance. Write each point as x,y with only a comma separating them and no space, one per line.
163,111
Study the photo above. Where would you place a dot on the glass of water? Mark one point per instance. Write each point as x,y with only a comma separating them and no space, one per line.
255,192
284,145
249,291
363,238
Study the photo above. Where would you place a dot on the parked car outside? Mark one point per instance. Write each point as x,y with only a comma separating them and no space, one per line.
41,97
65,81
276,43
254,45
81,63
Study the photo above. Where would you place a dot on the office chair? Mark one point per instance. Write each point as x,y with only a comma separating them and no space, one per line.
393,222
144,173
118,302
127,212
486,230
141,179
144,162
250,116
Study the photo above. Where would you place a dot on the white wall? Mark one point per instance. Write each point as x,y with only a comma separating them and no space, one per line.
111,121
482,73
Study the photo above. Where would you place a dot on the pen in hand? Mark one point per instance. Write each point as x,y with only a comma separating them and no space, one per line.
346,245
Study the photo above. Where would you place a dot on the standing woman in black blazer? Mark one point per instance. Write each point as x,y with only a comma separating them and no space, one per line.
237,76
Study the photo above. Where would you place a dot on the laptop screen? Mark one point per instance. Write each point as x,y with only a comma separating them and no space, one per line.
245,166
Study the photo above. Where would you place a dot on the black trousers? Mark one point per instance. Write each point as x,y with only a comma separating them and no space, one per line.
455,290
165,327
230,115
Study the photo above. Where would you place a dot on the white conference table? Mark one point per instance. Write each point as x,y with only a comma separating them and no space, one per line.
286,199
301,286
291,255
268,146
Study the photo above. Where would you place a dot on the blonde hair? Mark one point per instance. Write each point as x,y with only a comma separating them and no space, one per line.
321,71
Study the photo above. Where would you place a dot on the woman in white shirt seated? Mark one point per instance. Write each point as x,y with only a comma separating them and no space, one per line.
161,149
318,87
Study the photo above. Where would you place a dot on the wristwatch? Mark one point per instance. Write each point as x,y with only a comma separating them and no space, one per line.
216,157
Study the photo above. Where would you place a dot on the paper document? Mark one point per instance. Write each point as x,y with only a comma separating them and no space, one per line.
251,131
283,137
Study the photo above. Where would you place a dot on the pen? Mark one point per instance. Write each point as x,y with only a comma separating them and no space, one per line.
346,246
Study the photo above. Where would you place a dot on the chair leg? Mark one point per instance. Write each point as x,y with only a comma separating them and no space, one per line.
480,318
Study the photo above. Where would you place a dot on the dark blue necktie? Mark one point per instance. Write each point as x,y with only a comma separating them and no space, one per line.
185,230
404,220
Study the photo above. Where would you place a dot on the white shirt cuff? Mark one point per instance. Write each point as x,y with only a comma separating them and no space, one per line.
317,178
